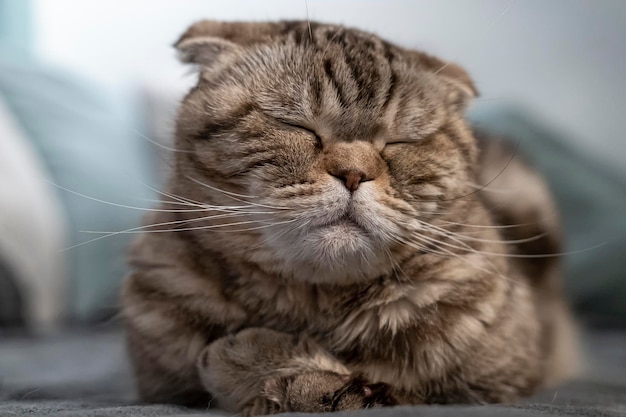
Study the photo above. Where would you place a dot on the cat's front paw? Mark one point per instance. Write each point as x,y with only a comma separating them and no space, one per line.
358,393
260,406
325,392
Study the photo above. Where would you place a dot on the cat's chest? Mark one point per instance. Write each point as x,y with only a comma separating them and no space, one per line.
340,318
289,307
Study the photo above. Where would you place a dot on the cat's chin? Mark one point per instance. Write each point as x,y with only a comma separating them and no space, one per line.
341,232
339,253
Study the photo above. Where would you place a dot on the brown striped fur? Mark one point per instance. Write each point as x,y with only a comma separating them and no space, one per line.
365,265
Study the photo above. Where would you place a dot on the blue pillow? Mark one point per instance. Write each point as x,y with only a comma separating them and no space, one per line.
86,136
592,204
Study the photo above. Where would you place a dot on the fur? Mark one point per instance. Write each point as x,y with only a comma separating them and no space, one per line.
324,242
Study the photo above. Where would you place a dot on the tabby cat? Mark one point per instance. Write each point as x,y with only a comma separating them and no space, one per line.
327,240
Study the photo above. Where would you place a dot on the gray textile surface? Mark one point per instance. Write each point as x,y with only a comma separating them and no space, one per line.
86,374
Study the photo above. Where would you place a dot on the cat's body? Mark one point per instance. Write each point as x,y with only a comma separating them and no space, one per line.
330,245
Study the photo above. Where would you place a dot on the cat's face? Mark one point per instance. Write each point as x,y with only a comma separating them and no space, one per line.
340,141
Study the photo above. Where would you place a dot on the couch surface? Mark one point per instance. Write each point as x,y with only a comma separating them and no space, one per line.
87,374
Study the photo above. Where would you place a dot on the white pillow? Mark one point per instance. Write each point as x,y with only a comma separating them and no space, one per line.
32,227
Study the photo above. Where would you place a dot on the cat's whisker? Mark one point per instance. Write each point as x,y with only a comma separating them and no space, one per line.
330,42
235,195
465,246
442,232
423,248
439,230
186,229
211,206
481,188
467,260
482,226
161,201
366,255
173,196
446,213
492,190
160,145
507,254
427,246
177,198
263,242
438,244
255,228
304,224
308,20
547,255
141,229
201,208
88,197
219,190
182,221
457,237
483,99
538,236
394,263
485,31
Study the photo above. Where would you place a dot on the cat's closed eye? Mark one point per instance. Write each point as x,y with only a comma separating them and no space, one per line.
301,128
399,142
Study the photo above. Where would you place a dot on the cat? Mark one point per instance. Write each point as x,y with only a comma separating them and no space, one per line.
327,240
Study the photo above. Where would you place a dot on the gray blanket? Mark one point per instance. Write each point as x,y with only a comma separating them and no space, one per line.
86,374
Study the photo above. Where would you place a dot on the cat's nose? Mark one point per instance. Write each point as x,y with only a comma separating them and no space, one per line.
353,163
350,177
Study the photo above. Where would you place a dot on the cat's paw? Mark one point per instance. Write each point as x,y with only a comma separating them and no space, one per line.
260,406
326,391
358,393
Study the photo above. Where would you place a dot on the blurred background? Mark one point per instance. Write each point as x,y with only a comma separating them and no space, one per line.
88,91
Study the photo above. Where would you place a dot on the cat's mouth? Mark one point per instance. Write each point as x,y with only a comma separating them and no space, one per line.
338,243
345,221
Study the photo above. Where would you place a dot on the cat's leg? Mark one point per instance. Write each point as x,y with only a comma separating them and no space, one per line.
171,315
260,371
164,365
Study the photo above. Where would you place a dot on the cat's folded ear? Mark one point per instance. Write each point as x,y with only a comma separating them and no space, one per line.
461,88
208,40
203,44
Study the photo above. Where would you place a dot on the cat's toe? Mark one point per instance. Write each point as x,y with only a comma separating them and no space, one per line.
358,394
260,406
380,394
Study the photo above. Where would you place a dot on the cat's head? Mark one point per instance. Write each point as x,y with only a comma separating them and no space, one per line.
338,142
